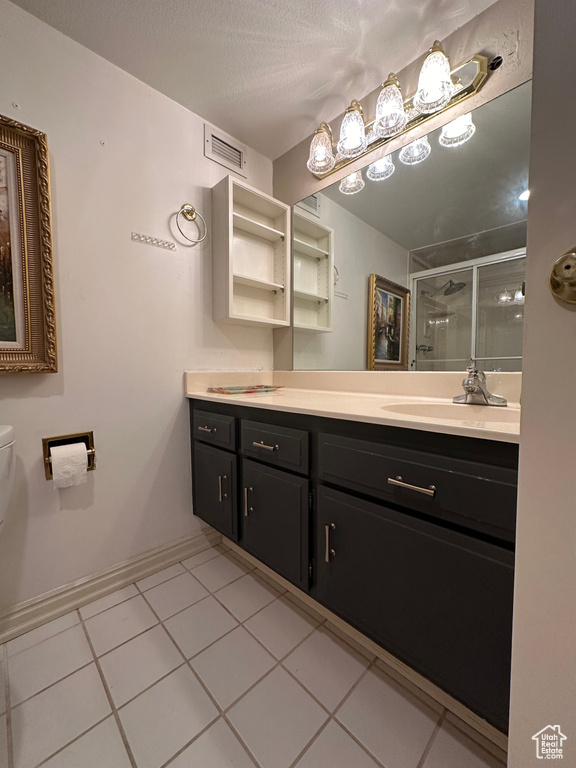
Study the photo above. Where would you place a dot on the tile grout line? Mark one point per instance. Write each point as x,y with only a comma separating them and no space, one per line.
279,663
7,704
349,733
201,682
432,738
318,620
72,741
109,696
312,741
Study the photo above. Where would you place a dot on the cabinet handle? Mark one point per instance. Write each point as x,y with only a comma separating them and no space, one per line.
329,551
206,429
266,447
430,491
221,495
247,509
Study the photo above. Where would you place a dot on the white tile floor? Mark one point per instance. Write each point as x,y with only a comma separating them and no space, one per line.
206,665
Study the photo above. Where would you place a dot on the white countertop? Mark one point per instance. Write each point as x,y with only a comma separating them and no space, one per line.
485,422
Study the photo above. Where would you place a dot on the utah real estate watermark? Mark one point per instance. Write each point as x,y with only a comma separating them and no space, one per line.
549,743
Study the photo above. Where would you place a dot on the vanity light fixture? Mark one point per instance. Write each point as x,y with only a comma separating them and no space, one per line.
415,152
523,196
352,184
390,115
321,158
435,87
439,88
353,140
381,169
457,132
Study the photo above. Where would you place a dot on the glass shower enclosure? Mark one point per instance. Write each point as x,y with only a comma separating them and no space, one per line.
469,312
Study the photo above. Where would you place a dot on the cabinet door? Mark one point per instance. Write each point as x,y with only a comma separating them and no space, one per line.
275,520
215,489
439,600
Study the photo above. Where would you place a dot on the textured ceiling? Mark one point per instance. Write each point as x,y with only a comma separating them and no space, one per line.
454,192
265,71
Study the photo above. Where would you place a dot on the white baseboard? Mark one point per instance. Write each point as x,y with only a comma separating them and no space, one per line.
51,605
395,667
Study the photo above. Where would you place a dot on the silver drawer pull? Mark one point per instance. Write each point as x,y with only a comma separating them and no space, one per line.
221,496
266,447
206,429
430,491
329,551
247,509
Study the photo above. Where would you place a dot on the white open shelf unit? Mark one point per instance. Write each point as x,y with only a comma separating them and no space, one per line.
250,260
313,270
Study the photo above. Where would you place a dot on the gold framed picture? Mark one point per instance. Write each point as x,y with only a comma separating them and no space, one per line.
388,325
27,314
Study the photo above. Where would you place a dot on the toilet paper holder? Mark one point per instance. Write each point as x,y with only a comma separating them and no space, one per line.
78,437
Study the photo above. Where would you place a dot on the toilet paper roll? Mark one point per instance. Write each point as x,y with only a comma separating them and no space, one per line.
69,464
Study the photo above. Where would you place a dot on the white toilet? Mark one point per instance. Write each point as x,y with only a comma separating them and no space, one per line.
7,467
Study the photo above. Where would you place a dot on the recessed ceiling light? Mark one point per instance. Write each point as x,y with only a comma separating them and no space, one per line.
524,196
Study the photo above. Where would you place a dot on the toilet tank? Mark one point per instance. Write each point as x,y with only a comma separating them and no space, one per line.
7,467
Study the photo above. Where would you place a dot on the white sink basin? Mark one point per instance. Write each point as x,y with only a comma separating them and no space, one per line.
487,414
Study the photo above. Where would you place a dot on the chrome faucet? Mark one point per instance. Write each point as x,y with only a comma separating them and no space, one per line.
476,392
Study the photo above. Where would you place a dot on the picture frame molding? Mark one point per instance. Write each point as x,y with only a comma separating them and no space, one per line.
38,351
381,283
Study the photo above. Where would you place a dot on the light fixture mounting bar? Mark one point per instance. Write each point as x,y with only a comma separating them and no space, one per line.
475,71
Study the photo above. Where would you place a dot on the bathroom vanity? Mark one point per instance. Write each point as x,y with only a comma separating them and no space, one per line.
405,533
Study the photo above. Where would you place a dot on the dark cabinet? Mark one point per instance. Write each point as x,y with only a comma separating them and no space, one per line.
409,537
438,599
474,495
275,524
215,489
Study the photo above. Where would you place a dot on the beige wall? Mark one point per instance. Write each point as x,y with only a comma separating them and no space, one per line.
359,250
131,318
544,638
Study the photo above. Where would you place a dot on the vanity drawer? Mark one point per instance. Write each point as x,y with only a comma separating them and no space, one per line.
476,496
280,446
214,428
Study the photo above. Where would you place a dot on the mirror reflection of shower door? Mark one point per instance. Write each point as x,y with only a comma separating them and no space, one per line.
500,315
444,321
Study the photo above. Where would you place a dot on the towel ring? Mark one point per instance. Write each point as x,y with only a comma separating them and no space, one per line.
190,213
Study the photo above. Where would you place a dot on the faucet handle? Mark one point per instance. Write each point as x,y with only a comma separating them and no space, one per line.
475,373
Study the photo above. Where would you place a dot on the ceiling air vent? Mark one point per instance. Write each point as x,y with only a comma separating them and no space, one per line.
225,150
310,204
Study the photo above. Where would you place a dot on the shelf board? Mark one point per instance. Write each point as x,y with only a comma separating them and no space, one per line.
253,227
264,322
305,249
312,328
309,296
254,282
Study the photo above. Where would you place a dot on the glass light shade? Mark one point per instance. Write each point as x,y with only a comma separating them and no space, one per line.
415,152
390,116
518,296
321,157
458,131
353,139
352,183
434,83
504,297
381,169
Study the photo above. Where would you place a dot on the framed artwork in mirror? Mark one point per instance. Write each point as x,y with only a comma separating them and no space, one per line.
27,315
388,325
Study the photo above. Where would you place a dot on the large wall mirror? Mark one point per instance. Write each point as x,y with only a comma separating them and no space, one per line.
451,229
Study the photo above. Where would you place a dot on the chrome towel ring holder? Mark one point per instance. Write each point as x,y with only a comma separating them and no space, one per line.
190,214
